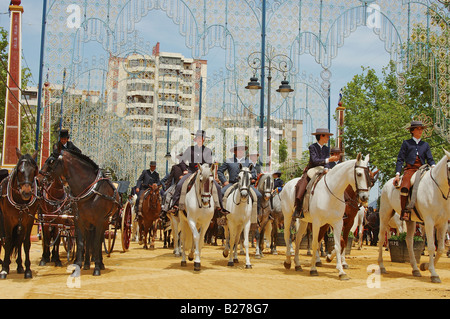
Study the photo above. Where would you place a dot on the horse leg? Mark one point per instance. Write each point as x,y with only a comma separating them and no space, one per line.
196,244
97,249
7,257
440,235
20,269
429,230
315,246
232,242
287,232
226,249
298,239
45,246
55,250
410,229
337,246
26,248
385,216
248,265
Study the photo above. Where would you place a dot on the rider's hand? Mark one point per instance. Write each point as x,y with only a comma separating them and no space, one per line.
226,183
137,190
396,180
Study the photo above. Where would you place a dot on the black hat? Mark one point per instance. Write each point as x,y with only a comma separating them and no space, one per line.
64,133
153,163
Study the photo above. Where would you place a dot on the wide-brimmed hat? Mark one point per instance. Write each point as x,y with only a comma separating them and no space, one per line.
322,131
279,173
237,146
415,124
64,133
201,133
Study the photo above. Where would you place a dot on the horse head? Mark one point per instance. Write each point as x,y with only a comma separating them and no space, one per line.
363,180
265,186
204,184
244,180
26,171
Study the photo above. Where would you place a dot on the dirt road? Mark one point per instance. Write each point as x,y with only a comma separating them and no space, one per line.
157,274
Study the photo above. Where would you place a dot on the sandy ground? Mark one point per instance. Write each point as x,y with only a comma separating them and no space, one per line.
157,274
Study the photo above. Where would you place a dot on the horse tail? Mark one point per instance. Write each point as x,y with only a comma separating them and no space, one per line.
16,241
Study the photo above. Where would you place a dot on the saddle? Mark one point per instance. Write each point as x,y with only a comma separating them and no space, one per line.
315,174
415,181
187,186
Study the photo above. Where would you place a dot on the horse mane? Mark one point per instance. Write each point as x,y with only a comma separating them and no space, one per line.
27,157
83,157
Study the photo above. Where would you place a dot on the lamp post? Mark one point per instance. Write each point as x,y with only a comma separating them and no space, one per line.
279,62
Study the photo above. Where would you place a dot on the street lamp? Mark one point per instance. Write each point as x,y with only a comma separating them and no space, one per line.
278,62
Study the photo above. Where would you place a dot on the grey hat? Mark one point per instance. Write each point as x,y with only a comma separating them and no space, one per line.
322,131
238,146
201,133
415,124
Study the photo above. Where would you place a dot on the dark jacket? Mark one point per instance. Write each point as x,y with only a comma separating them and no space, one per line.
195,155
148,178
277,182
409,151
68,146
175,173
318,156
232,166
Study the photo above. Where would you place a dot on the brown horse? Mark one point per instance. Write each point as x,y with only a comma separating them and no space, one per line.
53,206
351,210
93,200
19,204
150,208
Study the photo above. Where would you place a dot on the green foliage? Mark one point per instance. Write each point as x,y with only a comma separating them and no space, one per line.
402,237
283,153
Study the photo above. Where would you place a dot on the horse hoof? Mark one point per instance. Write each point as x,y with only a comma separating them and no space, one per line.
313,273
287,266
42,263
343,277
319,264
345,266
190,258
183,263
86,267
28,274
298,268
248,267
177,254
196,266
329,259
435,279
58,264
416,273
225,254
258,256
230,264
236,261
424,266
20,270
3,275
383,270
96,272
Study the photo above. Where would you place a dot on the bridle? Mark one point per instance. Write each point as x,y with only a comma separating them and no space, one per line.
243,184
448,182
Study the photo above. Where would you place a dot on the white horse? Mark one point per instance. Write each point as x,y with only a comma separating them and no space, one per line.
434,207
239,204
326,206
199,205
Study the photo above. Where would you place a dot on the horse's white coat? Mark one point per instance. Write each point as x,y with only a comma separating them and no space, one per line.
435,211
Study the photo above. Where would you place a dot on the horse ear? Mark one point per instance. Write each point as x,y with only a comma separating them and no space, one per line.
358,157
240,166
367,158
35,155
250,167
446,153
18,153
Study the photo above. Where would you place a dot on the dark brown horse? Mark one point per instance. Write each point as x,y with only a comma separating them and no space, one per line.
53,206
19,204
150,208
93,200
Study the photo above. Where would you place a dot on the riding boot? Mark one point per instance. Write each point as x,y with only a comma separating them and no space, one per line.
406,213
298,212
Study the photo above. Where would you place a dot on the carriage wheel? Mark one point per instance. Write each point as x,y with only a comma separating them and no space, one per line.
126,226
110,239
69,243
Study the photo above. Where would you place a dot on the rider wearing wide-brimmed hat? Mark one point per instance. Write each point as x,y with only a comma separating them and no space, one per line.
413,154
319,155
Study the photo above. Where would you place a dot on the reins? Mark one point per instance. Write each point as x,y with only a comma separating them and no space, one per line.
442,193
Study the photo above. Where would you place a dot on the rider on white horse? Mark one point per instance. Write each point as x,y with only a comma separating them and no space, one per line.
319,155
413,152
232,166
